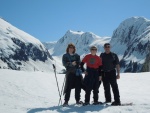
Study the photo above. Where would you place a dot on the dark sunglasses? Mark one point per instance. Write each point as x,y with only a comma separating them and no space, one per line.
71,47
94,49
107,46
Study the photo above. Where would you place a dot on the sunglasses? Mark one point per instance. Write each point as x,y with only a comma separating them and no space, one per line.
107,46
94,49
71,47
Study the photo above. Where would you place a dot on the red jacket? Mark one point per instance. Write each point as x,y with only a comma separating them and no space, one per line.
92,61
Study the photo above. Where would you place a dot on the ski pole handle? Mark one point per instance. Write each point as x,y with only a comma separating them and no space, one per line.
54,66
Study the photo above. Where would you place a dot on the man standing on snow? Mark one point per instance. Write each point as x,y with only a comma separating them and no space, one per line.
92,75
110,63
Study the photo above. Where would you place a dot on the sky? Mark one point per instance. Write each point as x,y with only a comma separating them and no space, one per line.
49,20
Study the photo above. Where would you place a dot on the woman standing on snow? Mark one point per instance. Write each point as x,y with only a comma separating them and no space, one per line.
71,61
92,75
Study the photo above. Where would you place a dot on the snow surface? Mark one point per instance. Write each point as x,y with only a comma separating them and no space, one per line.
36,92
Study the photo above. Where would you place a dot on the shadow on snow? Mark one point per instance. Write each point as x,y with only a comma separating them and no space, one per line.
71,108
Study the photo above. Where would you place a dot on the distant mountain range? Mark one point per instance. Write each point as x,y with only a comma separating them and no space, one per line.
21,51
131,41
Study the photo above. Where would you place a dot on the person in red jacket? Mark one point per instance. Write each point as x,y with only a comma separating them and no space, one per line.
92,75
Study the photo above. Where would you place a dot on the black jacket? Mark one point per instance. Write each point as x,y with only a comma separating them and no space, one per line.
109,61
68,59
70,74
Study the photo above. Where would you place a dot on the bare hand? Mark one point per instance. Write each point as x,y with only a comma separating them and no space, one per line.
86,73
100,78
74,63
118,76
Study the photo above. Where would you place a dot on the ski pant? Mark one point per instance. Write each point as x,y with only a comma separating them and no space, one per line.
73,82
91,82
109,78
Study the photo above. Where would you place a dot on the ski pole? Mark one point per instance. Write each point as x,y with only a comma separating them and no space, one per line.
62,90
57,81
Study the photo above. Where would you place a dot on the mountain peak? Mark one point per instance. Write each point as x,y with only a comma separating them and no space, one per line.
139,18
82,41
71,33
74,32
133,26
134,21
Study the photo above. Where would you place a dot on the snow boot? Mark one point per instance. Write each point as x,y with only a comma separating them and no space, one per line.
107,102
86,103
116,103
65,104
97,103
79,102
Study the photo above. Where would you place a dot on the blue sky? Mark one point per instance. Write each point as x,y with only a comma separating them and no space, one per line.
48,20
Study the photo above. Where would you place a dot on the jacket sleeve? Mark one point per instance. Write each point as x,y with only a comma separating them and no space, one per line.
82,63
100,70
78,61
65,62
117,59
82,66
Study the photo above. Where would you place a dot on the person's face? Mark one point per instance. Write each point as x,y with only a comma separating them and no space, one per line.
71,49
93,51
107,48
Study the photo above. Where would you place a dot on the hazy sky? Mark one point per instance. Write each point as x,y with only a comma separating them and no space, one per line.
48,20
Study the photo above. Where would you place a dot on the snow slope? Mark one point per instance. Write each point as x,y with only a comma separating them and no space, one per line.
21,51
50,46
36,92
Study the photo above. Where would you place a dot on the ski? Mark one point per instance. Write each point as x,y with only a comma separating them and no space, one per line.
100,104
123,104
127,104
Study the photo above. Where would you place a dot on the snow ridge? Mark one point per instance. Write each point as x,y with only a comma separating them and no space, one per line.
21,51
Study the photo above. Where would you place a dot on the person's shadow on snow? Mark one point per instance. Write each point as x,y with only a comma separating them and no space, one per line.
71,108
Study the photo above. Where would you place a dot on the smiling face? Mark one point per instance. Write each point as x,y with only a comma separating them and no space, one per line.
93,50
107,48
71,49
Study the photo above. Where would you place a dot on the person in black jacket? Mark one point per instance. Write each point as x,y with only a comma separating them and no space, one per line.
110,63
71,61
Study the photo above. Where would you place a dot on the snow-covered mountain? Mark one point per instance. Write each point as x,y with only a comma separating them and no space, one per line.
82,40
21,51
131,41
